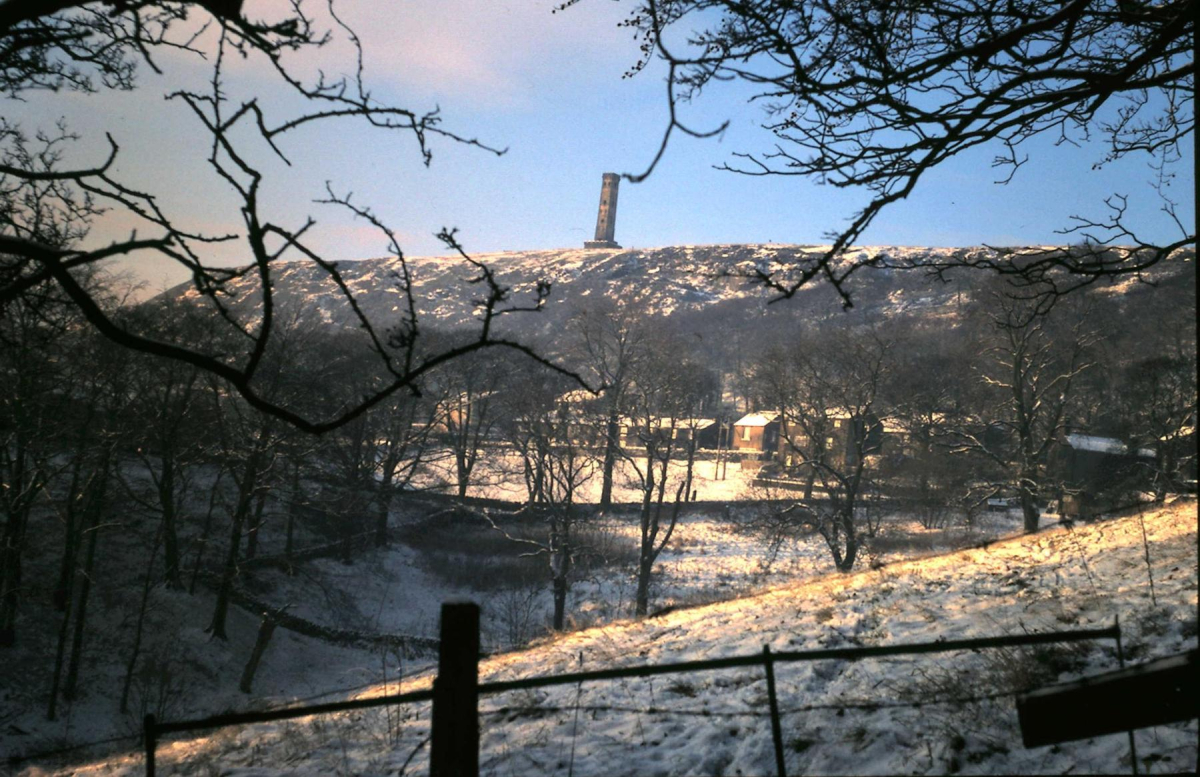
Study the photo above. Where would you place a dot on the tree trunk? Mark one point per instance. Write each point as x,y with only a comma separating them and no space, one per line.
383,504
1028,500
205,531
560,540
691,464
642,599
612,442
85,585
65,628
260,507
560,601
847,562
246,491
289,543
293,508
66,572
1165,478
260,646
166,498
1029,509
649,534
11,546
462,484
136,650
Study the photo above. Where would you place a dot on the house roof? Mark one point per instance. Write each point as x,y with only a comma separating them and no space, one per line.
666,423
1110,445
757,419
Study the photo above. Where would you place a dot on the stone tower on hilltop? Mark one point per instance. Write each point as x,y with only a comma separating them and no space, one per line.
606,219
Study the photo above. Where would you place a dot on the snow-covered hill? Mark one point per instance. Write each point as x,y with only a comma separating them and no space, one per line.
715,723
706,286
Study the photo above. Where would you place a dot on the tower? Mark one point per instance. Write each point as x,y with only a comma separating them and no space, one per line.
606,219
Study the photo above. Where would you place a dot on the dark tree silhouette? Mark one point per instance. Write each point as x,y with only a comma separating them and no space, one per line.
47,206
828,395
874,94
1028,367
611,340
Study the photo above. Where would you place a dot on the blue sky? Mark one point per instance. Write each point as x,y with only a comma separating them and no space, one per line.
548,87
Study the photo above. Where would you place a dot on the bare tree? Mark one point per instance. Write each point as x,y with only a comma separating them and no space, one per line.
103,394
874,94
249,444
468,406
169,433
404,446
612,341
48,206
55,388
29,374
1163,410
363,465
664,397
928,388
1028,370
533,420
828,393
569,468
541,427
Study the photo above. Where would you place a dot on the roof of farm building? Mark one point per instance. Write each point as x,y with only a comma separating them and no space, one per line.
757,419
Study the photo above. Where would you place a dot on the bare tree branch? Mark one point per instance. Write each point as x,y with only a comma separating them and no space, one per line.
873,94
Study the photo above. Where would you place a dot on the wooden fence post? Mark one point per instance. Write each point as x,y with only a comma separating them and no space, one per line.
1121,663
776,727
454,744
150,741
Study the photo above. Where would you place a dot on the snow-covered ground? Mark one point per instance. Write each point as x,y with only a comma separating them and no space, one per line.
183,672
497,476
714,723
714,554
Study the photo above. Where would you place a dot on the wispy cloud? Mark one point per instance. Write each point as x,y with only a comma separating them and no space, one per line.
495,54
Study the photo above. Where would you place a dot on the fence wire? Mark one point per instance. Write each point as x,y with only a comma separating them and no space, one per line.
766,660
865,706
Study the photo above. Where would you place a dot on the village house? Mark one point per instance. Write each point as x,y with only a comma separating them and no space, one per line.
455,411
842,435
757,433
702,432
579,419
1098,473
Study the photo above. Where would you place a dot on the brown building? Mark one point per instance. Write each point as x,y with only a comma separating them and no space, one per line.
756,433
1099,473
683,431
842,433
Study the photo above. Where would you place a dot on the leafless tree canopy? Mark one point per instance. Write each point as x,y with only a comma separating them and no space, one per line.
875,93
47,207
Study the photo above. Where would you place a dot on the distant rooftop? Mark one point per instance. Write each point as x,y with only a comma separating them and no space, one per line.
757,419
1110,445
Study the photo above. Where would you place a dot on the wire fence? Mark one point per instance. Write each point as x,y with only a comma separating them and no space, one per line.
455,718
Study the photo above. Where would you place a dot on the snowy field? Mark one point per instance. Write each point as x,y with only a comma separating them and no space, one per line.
714,723
497,476
713,555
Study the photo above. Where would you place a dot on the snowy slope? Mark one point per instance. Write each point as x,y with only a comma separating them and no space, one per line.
714,723
705,284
